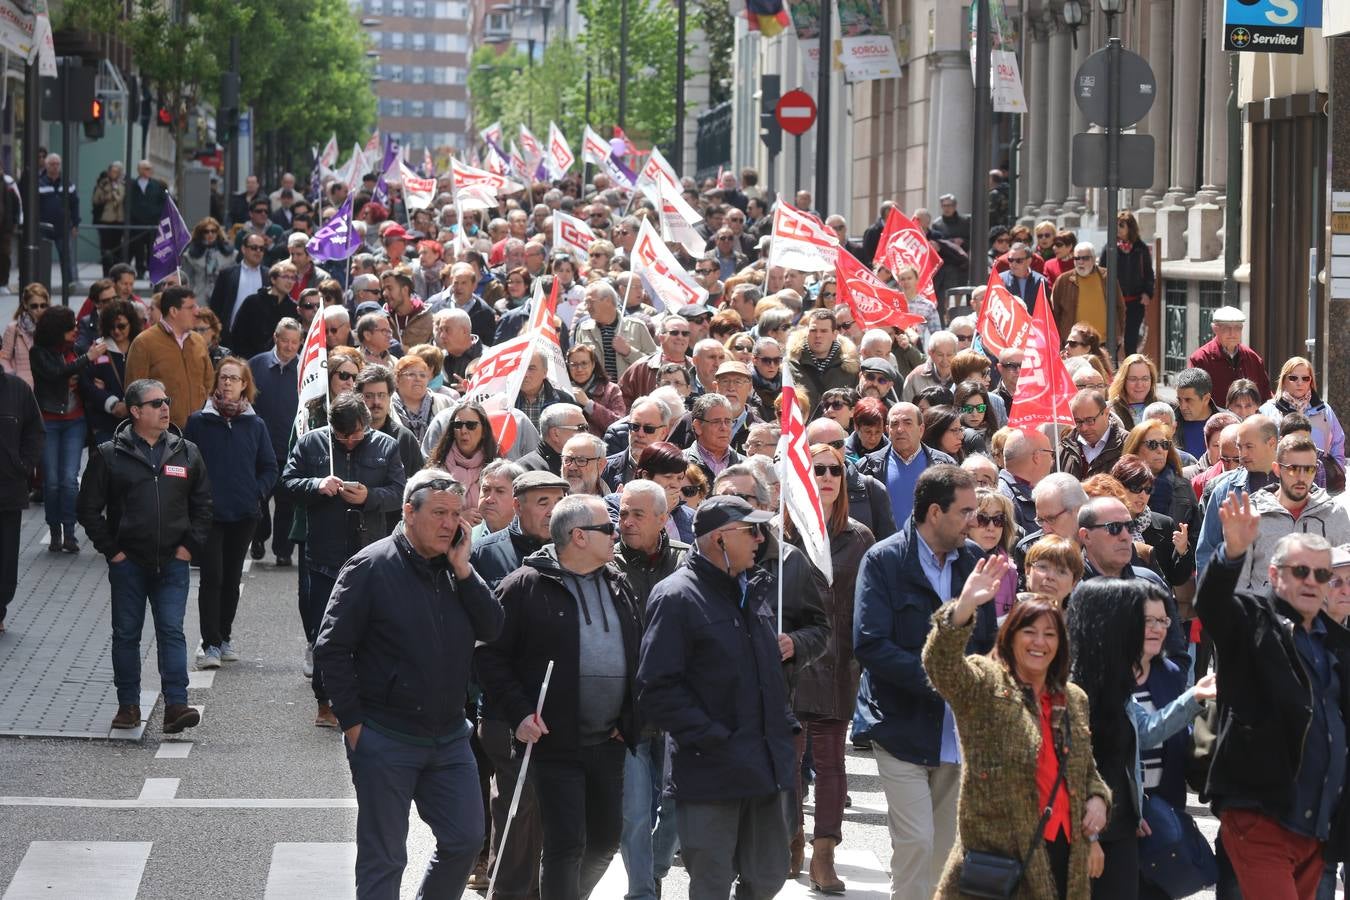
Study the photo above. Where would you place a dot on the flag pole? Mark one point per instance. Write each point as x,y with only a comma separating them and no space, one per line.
782,550
520,783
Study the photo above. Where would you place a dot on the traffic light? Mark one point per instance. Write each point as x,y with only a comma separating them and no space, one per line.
95,122
770,132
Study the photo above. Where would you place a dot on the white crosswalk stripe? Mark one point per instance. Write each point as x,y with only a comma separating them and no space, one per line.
110,870
311,870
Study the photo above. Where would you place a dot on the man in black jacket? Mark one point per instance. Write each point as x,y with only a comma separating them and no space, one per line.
23,436
145,205
709,674
146,504
569,605
395,651
1279,766
502,552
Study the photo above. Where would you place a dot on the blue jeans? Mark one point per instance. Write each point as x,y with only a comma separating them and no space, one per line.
61,470
641,791
443,779
167,589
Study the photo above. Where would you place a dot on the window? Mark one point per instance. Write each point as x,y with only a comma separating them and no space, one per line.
419,75
395,7
419,41
396,40
454,9
496,23
375,7
419,9
395,107
416,109
396,73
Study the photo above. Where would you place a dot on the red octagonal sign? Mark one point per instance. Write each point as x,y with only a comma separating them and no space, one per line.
795,112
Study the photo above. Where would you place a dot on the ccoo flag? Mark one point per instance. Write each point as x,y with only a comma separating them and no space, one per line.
171,239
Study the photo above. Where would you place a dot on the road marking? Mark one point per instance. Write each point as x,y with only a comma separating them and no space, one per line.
201,678
311,870
174,750
183,802
110,870
159,789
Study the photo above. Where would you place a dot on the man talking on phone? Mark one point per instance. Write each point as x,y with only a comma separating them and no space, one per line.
395,649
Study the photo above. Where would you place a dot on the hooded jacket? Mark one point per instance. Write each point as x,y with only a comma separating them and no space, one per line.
128,505
1321,515
239,454
842,372
502,552
542,623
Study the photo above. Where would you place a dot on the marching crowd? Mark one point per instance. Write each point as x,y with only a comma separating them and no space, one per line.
1019,624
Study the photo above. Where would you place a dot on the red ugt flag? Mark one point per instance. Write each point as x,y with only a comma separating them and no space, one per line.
874,305
1044,387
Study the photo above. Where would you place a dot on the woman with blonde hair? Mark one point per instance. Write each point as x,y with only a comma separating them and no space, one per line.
994,530
16,347
1133,388
1297,392
413,401
1053,567
207,254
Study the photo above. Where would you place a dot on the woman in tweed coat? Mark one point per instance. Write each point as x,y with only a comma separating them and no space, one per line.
1004,705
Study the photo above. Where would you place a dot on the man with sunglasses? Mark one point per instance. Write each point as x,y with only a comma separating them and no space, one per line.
237,283
1021,278
1080,295
1294,503
641,377
145,502
1278,768
646,426
569,604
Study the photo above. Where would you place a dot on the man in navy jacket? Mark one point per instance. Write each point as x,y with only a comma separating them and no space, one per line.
901,583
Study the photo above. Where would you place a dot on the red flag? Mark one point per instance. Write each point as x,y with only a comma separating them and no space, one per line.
1003,321
313,368
1044,387
903,243
800,496
874,305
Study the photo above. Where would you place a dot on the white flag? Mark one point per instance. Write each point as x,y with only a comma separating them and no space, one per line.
594,148
559,154
665,278
801,242
678,219
572,235
796,478
529,144
465,175
418,193
313,364
329,157
655,171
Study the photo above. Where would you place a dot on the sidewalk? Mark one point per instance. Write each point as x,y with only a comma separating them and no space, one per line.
88,274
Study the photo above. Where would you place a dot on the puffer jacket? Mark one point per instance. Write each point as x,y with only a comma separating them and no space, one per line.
1327,432
841,373
1321,515
828,687
239,454
502,552
127,505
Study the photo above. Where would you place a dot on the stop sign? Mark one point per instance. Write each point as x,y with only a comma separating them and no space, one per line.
795,112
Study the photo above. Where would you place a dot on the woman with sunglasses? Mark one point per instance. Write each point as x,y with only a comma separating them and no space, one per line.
994,529
1133,388
837,404
1061,258
1297,392
207,254
766,376
1084,340
599,398
1153,442
207,324
741,347
827,690
16,347
237,450
463,450
977,416
56,371
1170,551
943,431
103,385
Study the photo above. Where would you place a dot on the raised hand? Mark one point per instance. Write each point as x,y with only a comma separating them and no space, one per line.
1181,538
981,587
1241,523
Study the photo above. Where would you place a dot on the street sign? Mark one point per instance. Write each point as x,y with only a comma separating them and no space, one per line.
1137,88
1087,161
1269,26
796,112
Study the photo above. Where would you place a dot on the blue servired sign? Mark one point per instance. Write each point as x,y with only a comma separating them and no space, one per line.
1269,26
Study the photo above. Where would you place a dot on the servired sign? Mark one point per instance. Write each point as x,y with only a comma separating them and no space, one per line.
795,112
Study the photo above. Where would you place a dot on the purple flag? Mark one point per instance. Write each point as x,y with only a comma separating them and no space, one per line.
337,239
391,151
171,239
620,172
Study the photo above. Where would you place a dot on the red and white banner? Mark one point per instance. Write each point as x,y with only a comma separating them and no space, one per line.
903,243
594,148
874,304
373,145
492,135
519,167
313,366
665,278
1003,321
465,175
1044,387
559,154
355,169
418,193
533,150
328,158
678,221
656,171
572,235
800,497
800,241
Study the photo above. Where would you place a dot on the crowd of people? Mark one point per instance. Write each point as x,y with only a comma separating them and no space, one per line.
1018,624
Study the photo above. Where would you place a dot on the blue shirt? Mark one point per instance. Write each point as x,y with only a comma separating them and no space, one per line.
900,480
1321,771
939,575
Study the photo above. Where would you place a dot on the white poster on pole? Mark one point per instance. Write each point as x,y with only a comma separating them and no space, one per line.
869,57
1005,82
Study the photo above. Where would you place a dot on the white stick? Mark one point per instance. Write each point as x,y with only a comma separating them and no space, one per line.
520,784
782,551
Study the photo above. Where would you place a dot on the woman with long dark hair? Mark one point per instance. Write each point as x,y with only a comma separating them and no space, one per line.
238,453
56,375
463,450
104,383
942,430
1022,722
977,416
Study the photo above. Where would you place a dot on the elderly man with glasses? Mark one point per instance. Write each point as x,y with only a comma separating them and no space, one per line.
1020,279
1080,295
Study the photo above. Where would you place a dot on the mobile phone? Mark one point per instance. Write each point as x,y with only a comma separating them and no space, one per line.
350,485
459,537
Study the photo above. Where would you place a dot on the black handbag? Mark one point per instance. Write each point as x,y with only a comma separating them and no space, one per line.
996,876
1175,857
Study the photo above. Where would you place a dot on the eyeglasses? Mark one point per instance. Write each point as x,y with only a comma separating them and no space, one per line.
770,360
1086,420
227,377
1016,260
836,405
257,247
1301,573
691,490
1138,379
419,374
833,469
579,363
1157,622
603,528
876,378
984,521
579,460
1112,528
645,429
705,271
683,332
157,403
307,306
1158,444
1077,258
1011,366
342,375
466,425
842,326
719,423
974,407
1140,487
1230,459
1071,343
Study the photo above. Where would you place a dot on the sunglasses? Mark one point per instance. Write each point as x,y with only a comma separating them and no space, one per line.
1322,576
345,376
874,377
1158,444
984,521
469,425
1071,343
1298,378
770,360
1140,487
645,429
974,408
606,528
157,403
307,306
833,469
1011,366
691,490
1112,528
836,405
1082,258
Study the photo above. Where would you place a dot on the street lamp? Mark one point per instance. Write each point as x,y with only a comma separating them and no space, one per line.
1073,17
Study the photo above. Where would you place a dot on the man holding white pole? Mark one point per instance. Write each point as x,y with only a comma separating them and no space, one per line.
396,674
